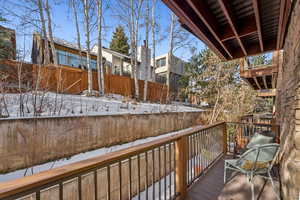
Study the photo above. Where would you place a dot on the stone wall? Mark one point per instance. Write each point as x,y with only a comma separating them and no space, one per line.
288,108
31,141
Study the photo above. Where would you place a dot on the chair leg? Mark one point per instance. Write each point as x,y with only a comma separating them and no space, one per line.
273,185
252,190
225,173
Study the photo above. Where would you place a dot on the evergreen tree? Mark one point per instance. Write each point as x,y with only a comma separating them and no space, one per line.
119,41
6,47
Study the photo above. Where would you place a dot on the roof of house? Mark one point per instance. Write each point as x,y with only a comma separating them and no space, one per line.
74,46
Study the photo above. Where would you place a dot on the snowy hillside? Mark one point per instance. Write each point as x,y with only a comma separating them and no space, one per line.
51,104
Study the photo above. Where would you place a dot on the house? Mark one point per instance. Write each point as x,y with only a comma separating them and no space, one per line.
174,67
68,54
7,43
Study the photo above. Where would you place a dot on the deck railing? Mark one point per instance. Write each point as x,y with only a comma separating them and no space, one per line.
240,133
161,169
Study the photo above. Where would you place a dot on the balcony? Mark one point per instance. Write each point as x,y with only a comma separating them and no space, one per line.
185,165
261,77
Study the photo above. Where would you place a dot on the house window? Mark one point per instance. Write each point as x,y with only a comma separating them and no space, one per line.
62,58
161,62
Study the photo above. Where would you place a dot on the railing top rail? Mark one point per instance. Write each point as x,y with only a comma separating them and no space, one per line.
255,124
38,180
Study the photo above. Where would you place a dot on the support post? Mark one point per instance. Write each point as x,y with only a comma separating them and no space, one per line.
181,150
225,144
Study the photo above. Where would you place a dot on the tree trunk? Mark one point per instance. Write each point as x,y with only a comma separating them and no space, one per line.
87,34
170,55
53,51
148,68
77,30
134,33
100,71
153,39
44,31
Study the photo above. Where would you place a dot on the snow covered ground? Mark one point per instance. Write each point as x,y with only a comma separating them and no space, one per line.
51,104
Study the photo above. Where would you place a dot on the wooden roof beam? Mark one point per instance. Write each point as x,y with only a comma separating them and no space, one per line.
228,14
280,25
258,25
193,27
285,20
208,19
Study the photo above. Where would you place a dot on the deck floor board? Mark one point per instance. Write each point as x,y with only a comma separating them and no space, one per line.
211,186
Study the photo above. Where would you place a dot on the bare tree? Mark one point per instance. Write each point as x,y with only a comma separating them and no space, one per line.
148,66
135,20
170,54
44,31
53,51
153,38
100,70
86,6
75,15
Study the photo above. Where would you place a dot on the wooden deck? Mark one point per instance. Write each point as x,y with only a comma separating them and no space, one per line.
211,187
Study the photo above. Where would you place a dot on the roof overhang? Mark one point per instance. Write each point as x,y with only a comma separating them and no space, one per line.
235,28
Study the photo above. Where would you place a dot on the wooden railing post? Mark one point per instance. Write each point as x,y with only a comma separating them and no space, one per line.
181,150
225,142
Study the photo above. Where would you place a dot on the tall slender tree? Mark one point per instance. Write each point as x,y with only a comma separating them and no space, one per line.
153,26
53,51
75,15
86,6
170,54
148,67
44,31
100,70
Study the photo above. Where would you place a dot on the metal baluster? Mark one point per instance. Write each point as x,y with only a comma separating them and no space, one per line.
199,151
159,173
79,188
195,155
108,182
170,172
120,179
96,184
61,191
139,177
165,168
153,174
189,158
38,195
192,158
130,179
174,174
146,162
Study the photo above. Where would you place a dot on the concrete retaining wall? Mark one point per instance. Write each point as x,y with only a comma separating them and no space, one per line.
31,141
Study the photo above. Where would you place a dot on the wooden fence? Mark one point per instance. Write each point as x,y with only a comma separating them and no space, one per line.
70,80
74,81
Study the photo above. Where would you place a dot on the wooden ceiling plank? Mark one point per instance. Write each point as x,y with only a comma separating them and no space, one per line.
208,19
258,24
280,25
246,28
228,14
186,20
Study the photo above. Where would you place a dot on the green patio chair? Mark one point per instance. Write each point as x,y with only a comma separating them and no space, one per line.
258,160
